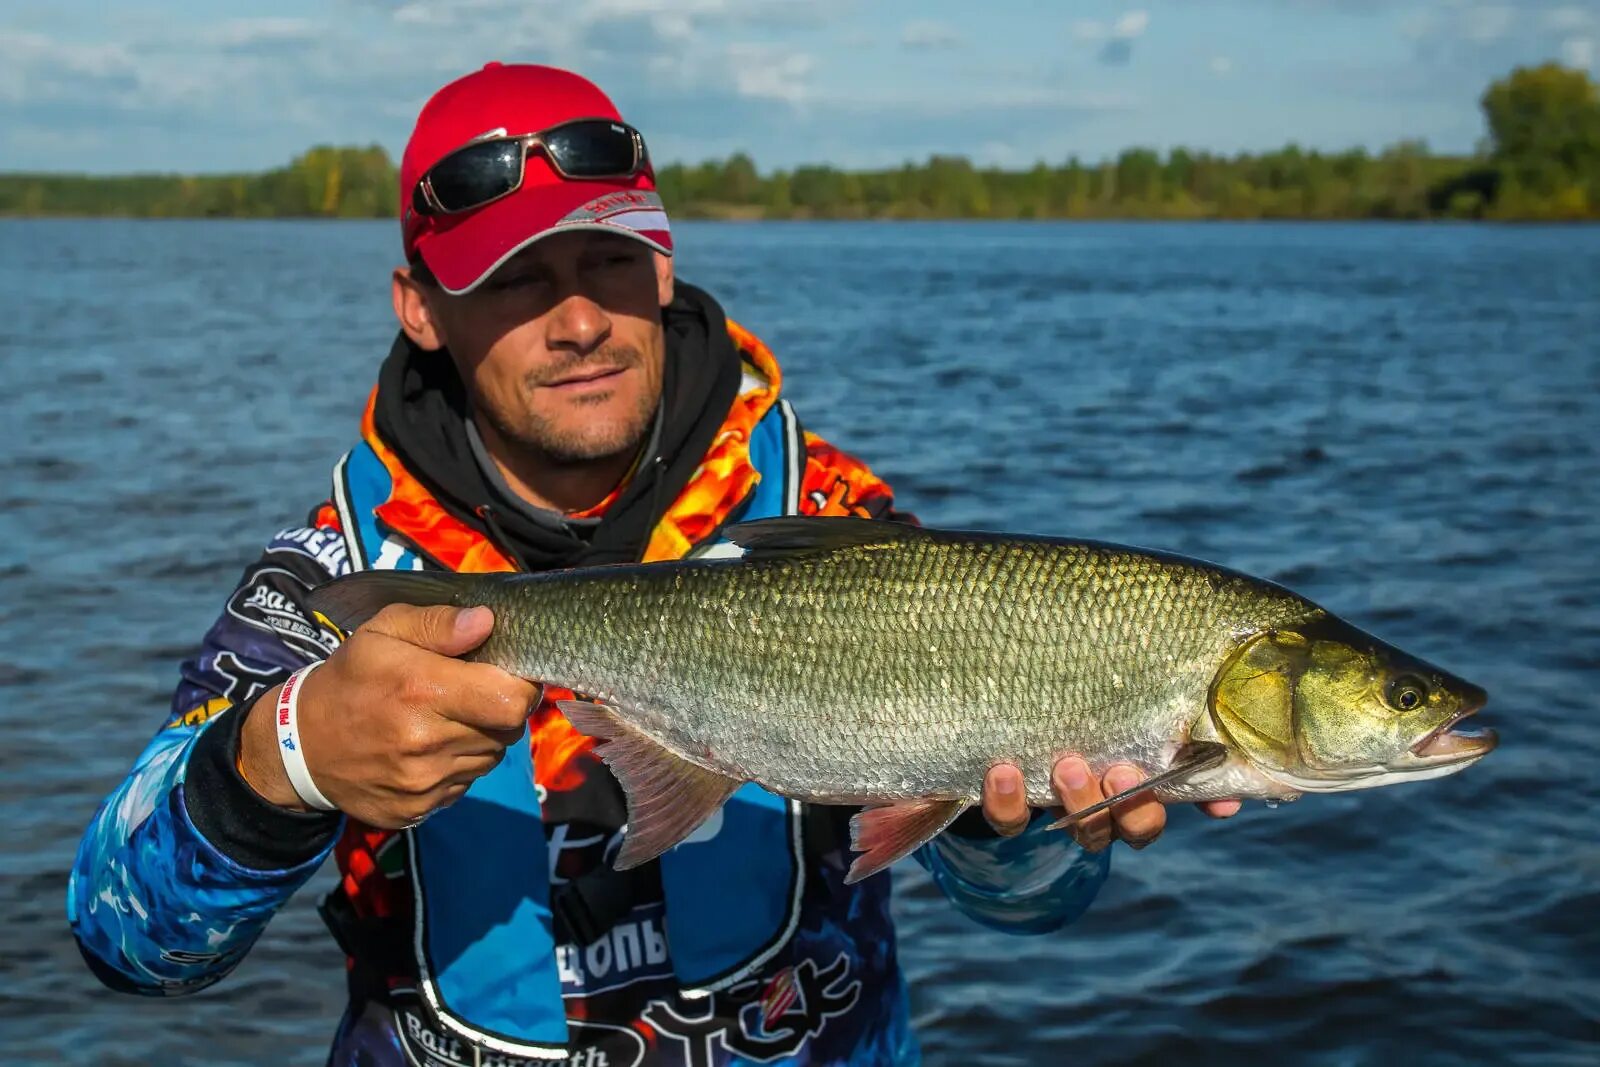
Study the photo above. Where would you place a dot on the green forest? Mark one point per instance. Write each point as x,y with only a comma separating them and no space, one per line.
1540,161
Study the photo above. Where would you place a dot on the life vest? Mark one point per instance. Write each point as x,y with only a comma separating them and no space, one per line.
483,935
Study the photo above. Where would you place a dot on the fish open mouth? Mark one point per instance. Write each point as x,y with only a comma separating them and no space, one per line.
1446,744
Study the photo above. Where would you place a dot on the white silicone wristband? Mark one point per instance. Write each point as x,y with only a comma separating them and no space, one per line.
294,757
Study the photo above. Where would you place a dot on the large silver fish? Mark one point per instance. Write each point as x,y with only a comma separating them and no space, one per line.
845,661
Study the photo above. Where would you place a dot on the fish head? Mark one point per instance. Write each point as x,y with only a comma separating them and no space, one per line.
1326,707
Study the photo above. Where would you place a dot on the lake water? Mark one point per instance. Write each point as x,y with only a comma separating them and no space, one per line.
1402,422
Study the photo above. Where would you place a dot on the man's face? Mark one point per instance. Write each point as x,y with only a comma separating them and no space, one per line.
561,349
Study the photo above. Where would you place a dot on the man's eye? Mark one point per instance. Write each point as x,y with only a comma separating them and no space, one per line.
516,281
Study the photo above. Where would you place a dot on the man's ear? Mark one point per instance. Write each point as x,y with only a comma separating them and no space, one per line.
413,308
663,279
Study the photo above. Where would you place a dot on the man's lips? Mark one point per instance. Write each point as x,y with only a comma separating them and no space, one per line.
586,377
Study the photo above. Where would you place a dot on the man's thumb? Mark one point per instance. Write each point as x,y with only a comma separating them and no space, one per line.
447,630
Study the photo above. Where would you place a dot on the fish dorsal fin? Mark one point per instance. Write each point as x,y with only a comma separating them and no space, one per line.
800,536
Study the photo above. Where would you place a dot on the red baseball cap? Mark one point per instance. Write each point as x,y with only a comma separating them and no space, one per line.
463,249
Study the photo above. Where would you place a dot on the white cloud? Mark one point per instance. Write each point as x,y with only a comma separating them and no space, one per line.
254,32
927,35
1114,38
1489,39
769,72
1126,28
35,68
986,102
1131,25
1488,22
1564,19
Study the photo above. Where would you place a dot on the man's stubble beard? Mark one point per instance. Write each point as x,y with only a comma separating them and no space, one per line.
575,445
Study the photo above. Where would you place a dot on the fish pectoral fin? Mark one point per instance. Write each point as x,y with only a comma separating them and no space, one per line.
1192,758
668,797
884,834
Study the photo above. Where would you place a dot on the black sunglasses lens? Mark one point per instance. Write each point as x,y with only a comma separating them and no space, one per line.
591,149
476,174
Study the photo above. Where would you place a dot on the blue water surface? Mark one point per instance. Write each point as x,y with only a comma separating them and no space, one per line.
1402,422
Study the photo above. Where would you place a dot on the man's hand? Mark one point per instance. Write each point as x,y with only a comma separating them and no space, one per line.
1138,820
391,726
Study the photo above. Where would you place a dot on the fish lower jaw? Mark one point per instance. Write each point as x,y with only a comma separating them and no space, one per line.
1373,777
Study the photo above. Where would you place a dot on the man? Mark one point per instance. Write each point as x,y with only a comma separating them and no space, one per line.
555,398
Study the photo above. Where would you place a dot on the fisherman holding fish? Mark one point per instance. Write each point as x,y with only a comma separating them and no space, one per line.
717,750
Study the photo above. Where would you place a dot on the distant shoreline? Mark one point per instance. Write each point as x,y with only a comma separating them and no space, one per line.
1541,163
747,221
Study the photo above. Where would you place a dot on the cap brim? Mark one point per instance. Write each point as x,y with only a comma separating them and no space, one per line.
462,251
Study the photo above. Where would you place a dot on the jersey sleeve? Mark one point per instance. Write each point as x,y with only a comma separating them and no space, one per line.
1033,883
183,864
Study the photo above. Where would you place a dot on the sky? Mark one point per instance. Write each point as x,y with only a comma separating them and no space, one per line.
201,86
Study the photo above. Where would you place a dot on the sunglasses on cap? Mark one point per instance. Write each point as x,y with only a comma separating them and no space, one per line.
493,166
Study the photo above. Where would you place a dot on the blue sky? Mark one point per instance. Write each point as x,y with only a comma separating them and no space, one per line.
215,85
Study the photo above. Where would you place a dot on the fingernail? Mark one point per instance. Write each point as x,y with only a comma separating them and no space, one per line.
1005,785
1122,778
1076,775
470,619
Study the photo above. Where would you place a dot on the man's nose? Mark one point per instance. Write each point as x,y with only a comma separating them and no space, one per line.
578,324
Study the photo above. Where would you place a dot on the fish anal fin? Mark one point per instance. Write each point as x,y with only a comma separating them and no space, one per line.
1192,758
884,834
596,720
668,797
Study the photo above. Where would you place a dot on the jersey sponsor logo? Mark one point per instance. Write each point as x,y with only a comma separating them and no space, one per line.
623,200
427,1044
243,683
262,603
761,1021
604,1045
634,950
214,965
325,547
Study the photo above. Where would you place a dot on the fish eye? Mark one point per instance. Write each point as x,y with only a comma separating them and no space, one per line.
1406,693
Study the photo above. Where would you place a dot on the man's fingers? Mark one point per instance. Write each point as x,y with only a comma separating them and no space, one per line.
478,695
1220,809
472,742
443,629
1139,819
1078,790
1005,801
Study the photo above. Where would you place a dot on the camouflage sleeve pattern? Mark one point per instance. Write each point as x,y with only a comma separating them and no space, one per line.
1032,883
169,889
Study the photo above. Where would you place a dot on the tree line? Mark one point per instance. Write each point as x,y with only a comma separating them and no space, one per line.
1541,161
